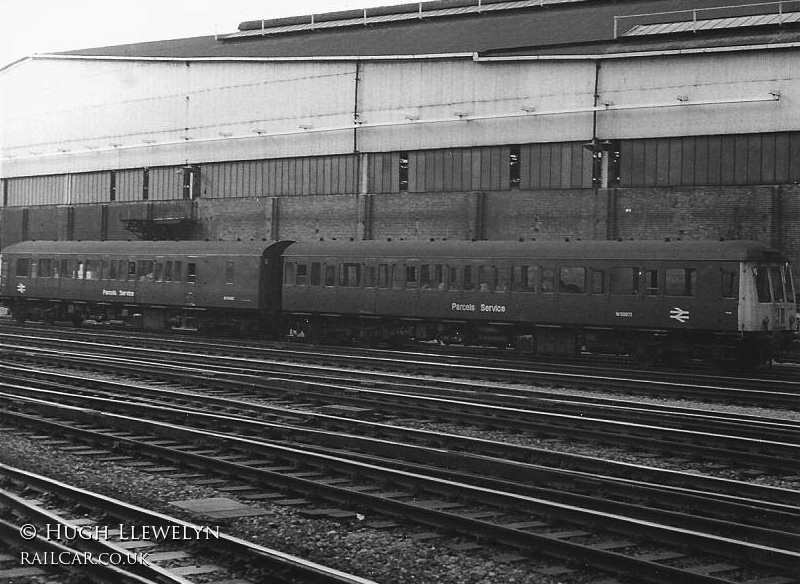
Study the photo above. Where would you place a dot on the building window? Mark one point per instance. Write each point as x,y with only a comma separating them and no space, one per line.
145,184
403,170
513,166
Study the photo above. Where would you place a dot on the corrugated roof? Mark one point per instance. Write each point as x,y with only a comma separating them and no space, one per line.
574,23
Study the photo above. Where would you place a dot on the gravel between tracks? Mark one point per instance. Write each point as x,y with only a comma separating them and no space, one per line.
386,556
390,556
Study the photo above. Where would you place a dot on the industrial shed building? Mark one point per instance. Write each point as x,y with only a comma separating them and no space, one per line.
453,119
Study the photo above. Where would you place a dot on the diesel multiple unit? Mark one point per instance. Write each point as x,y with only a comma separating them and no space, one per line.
731,300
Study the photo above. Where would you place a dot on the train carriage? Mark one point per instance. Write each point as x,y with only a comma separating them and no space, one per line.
718,300
731,301
149,284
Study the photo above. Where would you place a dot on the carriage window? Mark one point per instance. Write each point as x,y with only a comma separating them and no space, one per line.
70,268
104,269
369,276
651,287
425,276
230,271
487,278
131,270
572,280
112,270
92,270
469,282
777,284
288,274
452,278
598,282
80,273
349,275
383,276
398,273
330,275
523,278
625,281
178,273
45,268
728,283
159,271
23,267
300,274
191,272
411,277
316,274
680,282
146,269
548,281
167,271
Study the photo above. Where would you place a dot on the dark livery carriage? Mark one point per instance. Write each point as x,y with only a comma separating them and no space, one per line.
720,300
153,285
714,300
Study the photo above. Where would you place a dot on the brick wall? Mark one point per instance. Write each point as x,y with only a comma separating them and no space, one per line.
694,213
550,214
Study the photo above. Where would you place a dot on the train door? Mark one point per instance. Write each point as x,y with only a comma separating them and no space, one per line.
690,299
625,306
370,291
524,283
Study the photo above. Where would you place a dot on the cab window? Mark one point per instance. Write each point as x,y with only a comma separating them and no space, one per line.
762,284
777,284
230,271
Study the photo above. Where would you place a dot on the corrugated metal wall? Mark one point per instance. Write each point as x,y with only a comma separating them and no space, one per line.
38,190
772,158
130,185
323,175
555,166
90,187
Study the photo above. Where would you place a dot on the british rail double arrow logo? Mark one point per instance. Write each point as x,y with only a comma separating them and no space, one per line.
679,314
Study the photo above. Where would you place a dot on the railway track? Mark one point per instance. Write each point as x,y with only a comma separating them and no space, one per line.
475,490
734,439
774,388
54,528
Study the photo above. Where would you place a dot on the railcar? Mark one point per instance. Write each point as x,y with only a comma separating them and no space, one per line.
723,301
210,286
726,301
